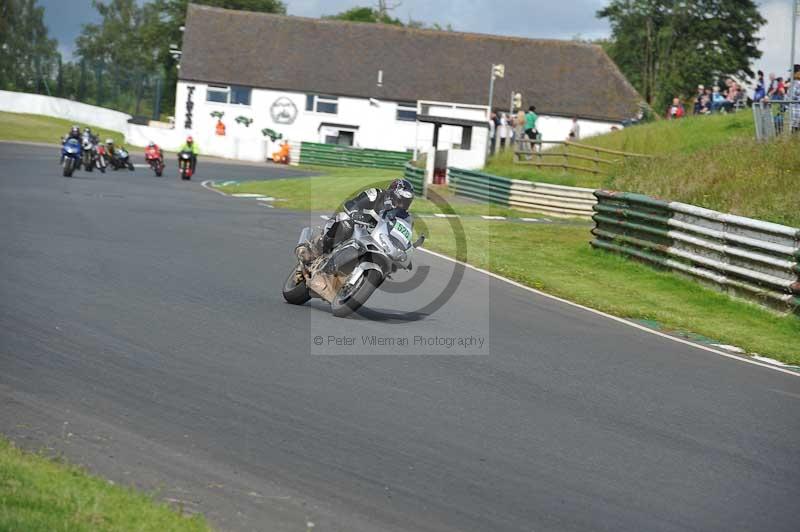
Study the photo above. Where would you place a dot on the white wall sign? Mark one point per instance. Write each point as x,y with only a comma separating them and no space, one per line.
283,111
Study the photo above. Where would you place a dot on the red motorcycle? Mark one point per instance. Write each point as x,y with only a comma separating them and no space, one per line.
100,161
185,164
155,159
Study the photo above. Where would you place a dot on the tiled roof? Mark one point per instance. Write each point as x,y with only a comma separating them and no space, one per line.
344,58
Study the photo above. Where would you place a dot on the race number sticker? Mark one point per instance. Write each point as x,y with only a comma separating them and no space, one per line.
402,231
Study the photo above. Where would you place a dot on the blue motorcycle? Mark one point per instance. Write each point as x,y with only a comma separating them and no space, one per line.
70,156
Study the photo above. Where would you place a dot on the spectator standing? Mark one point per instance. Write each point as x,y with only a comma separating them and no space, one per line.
530,122
794,94
773,85
503,130
778,96
761,90
519,125
492,132
575,132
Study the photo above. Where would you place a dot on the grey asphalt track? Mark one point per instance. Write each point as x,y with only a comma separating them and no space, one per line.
143,334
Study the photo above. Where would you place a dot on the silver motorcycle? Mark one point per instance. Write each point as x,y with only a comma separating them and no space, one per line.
348,275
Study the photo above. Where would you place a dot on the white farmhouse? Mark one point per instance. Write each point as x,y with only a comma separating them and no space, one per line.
380,86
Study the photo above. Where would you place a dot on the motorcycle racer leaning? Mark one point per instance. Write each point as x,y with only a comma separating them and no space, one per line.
392,202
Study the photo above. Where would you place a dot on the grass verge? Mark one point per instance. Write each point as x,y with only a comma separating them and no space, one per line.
324,193
38,494
38,128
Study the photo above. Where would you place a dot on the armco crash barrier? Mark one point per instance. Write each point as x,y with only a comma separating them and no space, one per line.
416,176
523,195
334,155
747,257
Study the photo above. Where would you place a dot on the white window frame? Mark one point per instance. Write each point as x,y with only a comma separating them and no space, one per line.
227,90
324,98
222,89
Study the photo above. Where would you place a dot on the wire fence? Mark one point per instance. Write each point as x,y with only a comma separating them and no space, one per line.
776,118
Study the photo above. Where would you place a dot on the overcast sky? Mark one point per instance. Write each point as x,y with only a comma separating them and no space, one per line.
525,18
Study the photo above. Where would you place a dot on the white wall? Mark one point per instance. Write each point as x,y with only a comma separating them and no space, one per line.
377,124
558,127
37,104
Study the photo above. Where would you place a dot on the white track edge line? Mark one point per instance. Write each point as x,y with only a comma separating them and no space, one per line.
205,185
611,317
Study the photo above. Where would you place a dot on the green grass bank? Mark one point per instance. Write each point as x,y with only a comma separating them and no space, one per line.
38,128
41,495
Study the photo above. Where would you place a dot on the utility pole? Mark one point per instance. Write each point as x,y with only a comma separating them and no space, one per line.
498,71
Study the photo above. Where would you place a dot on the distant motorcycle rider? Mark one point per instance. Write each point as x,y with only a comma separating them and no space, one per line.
191,147
74,133
110,149
393,202
154,151
89,136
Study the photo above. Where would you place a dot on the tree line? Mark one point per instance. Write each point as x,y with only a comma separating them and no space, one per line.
664,47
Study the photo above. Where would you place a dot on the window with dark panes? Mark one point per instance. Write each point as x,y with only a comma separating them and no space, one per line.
466,138
217,94
321,103
406,112
327,104
240,95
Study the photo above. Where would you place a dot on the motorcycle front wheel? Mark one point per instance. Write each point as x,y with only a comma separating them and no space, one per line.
350,299
294,291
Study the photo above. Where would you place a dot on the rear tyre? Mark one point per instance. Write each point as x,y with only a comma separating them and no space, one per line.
295,292
348,301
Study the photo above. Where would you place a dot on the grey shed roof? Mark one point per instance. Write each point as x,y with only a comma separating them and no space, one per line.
343,58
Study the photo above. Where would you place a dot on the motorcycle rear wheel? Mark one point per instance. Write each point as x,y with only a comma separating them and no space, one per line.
294,292
348,302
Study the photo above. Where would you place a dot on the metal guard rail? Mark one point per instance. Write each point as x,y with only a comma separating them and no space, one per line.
742,256
522,195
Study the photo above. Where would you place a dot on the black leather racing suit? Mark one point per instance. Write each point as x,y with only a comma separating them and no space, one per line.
339,227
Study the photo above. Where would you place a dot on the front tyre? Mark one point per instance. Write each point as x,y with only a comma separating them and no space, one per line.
349,300
68,167
294,290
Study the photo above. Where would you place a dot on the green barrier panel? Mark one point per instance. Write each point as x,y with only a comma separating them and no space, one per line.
480,186
416,176
334,155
